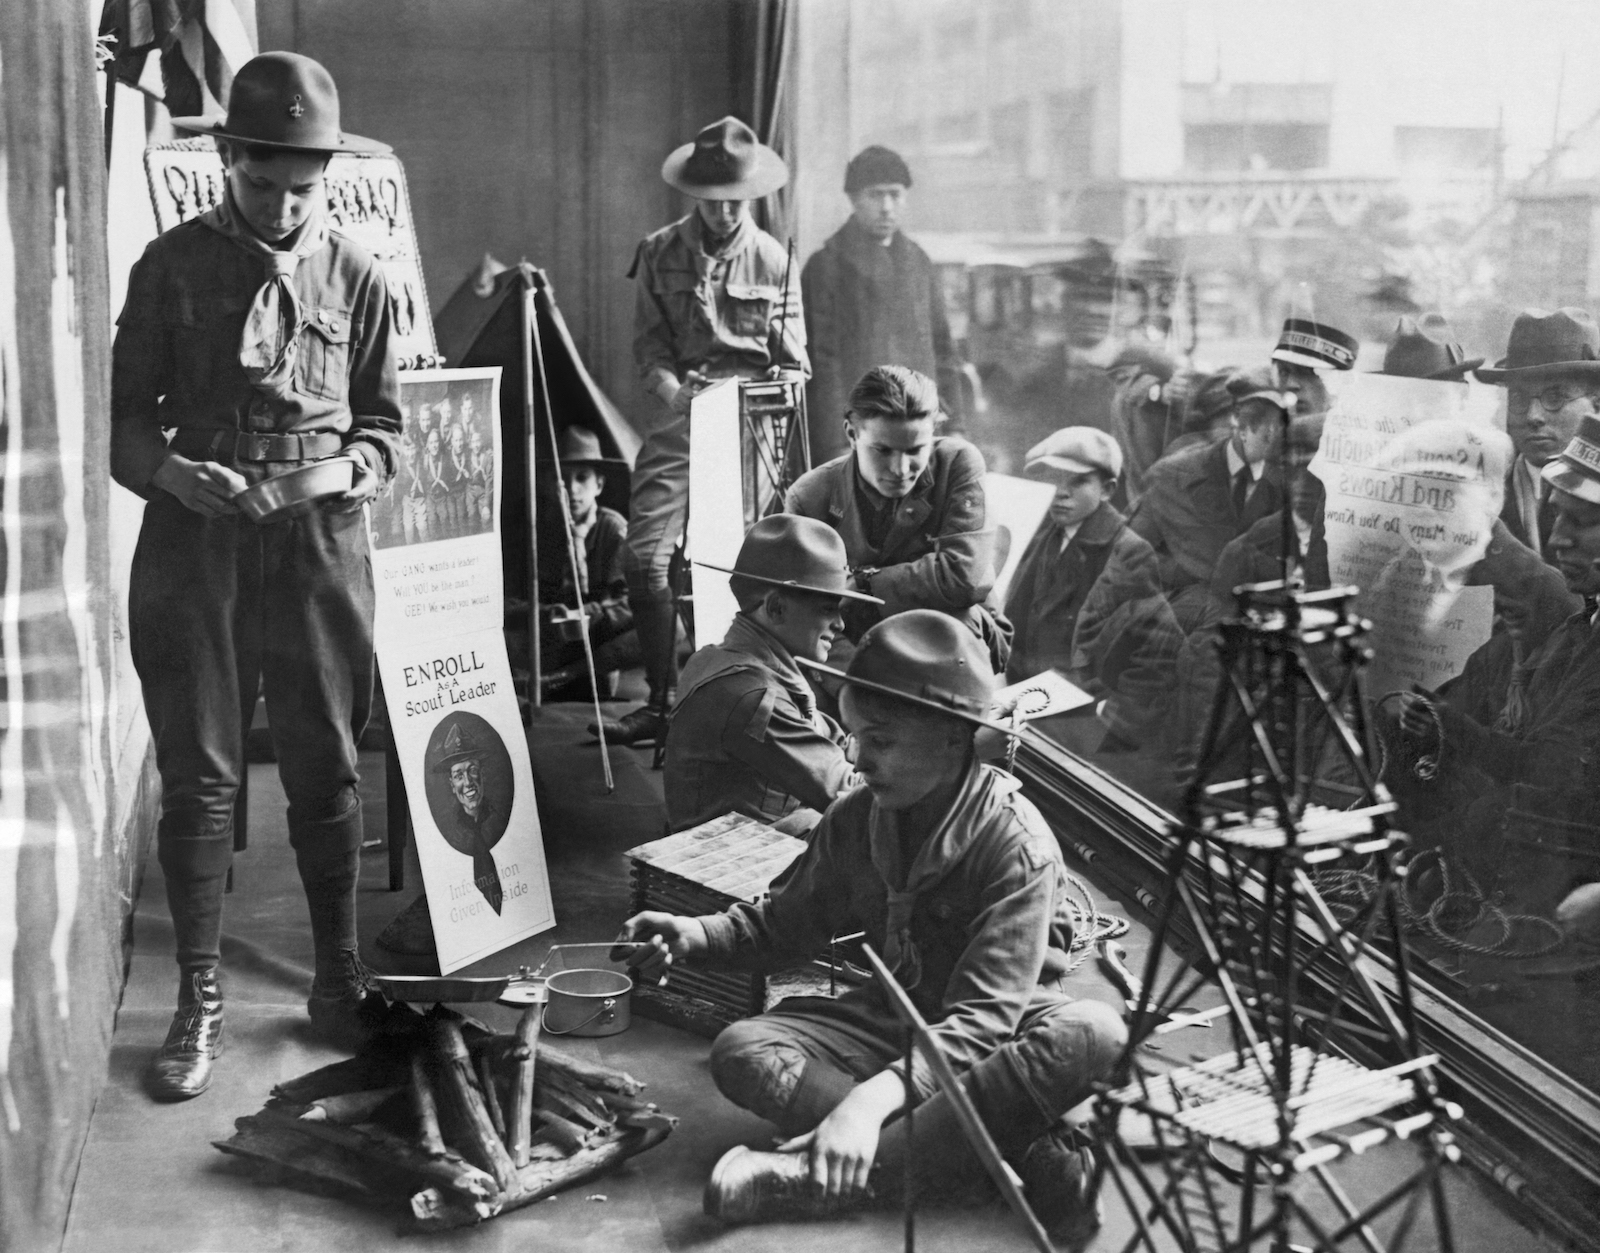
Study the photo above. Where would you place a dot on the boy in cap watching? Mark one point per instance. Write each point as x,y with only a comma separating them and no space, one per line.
873,298
746,736
261,339
959,883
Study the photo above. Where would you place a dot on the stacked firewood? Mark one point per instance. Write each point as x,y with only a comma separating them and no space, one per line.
451,1118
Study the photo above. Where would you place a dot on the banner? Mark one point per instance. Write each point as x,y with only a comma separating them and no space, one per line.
441,651
367,202
1414,471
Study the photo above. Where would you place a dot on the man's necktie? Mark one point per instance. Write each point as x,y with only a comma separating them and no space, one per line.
1241,491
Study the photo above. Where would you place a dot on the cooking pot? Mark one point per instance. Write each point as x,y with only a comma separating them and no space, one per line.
298,491
586,1002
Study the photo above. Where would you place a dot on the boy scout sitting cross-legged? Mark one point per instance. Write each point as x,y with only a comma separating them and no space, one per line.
958,882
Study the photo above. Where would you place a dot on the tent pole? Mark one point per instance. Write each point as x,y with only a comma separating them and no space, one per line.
529,428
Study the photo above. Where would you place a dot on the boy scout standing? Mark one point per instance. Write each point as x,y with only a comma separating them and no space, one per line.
261,339
710,304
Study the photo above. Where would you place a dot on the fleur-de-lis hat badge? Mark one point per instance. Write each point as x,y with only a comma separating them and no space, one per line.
296,109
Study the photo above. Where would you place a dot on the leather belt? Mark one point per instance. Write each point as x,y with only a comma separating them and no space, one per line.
226,445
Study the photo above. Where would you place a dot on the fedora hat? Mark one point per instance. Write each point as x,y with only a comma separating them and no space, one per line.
458,746
787,550
282,100
725,162
1577,470
1563,344
1426,348
926,658
581,446
1315,345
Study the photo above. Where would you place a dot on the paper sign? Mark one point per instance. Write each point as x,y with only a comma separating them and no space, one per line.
716,505
1043,696
441,651
1017,508
367,201
1414,472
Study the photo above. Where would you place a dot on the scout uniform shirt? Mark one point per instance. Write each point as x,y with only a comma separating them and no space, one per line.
746,736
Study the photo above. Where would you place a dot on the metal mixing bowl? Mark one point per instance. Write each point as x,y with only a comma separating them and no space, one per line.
299,491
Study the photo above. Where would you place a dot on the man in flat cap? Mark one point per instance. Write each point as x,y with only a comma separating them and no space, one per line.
873,298
1551,373
256,339
959,883
746,736
709,303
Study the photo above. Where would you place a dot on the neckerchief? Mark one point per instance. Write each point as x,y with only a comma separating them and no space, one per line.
979,797
273,326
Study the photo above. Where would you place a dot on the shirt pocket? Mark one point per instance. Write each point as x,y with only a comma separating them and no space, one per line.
749,309
325,353
205,334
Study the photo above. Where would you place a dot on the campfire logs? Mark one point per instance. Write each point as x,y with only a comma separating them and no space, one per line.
458,1122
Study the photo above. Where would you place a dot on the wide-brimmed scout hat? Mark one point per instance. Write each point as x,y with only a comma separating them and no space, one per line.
787,550
725,162
1315,345
581,446
1577,470
1563,344
928,659
283,100
458,746
1426,348
1077,450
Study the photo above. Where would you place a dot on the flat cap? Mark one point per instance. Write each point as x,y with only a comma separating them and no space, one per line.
1078,450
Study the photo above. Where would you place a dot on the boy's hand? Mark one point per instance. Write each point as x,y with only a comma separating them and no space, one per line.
362,488
665,938
845,1143
207,487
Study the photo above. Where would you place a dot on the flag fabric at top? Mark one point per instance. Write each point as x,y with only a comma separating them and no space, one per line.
201,43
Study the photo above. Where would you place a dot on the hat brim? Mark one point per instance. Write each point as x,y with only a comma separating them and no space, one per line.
1067,465
1568,478
1450,374
834,672
1535,373
767,176
442,766
603,463
1290,356
213,128
793,585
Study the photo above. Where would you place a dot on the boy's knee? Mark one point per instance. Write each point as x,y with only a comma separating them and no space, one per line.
755,1067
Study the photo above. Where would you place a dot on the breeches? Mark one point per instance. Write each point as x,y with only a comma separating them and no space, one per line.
221,609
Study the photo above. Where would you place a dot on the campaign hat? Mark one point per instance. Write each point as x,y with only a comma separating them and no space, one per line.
1426,348
874,166
282,100
581,446
1315,345
1077,450
1577,470
788,550
926,658
1563,344
458,746
725,162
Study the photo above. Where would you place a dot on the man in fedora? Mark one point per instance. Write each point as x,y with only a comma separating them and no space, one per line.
1551,373
710,302
873,298
603,593
1522,820
959,883
746,736
261,339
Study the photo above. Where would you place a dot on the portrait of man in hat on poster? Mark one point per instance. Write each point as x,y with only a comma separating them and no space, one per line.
470,793
710,302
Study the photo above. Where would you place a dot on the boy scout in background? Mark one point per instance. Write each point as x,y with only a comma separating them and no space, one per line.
910,508
959,882
746,736
709,304
262,340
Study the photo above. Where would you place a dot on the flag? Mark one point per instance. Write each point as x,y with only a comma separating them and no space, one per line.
199,44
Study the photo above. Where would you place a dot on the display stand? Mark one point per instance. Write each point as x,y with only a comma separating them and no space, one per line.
1215,1155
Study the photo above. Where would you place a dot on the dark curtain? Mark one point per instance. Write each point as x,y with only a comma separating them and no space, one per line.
763,50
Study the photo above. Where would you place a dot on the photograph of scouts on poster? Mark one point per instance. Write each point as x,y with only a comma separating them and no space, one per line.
444,486
470,791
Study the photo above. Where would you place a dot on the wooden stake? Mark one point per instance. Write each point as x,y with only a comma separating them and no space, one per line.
468,1118
427,1108
522,1090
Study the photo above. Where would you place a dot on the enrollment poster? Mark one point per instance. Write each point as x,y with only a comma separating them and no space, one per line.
1414,473
436,568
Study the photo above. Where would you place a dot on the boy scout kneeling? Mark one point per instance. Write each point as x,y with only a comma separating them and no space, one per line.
261,339
957,880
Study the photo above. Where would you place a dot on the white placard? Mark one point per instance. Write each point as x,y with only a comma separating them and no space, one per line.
1018,507
1414,474
441,651
716,505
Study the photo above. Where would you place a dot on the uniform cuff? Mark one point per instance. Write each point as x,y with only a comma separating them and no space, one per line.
721,936
371,454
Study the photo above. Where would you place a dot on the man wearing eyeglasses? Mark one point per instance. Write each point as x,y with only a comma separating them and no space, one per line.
1551,371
